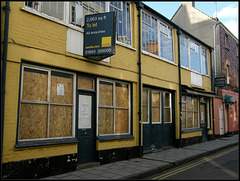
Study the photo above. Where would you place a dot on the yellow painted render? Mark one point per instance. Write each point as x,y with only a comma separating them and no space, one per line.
191,134
37,40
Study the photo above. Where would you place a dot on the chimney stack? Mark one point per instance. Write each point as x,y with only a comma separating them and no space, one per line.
193,4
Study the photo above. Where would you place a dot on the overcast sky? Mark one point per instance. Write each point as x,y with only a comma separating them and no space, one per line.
227,11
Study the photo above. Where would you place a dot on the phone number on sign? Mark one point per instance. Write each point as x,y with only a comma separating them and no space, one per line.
98,51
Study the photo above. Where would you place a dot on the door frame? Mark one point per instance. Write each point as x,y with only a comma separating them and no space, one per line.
204,129
93,121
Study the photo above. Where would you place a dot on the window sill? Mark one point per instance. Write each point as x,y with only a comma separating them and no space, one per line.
191,130
114,137
23,144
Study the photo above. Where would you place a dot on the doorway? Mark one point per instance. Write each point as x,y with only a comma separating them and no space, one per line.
158,130
86,127
203,121
221,123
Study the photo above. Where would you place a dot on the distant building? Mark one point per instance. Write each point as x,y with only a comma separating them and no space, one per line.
225,63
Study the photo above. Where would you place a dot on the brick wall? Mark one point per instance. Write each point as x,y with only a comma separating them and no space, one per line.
231,55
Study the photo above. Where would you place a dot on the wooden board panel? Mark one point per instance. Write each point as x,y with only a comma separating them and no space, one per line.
189,120
121,121
60,124
156,98
33,121
67,97
145,114
167,115
105,121
85,83
122,95
155,114
35,85
105,94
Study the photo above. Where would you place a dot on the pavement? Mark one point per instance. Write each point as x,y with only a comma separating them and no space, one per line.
150,163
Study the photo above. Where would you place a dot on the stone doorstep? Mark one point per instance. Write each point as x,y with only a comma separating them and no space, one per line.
87,165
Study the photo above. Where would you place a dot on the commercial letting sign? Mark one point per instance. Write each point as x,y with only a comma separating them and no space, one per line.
99,35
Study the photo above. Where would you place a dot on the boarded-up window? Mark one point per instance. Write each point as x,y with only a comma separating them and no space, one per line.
113,107
156,106
46,106
145,105
85,83
190,112
167,107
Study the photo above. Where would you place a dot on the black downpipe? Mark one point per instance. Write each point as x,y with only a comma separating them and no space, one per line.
139,7
212,89
179,32
4,68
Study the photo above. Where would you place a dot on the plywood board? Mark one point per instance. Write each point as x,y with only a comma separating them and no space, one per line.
66,96
105,94
60,124
122,95
105,121
33,121
35,85
155,114
121,121
85,83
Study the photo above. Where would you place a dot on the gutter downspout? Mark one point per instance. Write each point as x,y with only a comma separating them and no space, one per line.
139,7
212,89
179,32
4,68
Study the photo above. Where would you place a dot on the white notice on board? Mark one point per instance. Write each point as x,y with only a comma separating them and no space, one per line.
60,89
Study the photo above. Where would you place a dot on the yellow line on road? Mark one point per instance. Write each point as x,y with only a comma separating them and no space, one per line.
193,164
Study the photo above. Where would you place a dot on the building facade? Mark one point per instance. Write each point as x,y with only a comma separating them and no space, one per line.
62,109
225,63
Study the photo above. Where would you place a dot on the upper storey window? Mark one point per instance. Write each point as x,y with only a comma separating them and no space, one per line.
73,12
193,55
156,37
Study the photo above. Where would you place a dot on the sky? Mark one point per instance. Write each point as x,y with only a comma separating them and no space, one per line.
227,11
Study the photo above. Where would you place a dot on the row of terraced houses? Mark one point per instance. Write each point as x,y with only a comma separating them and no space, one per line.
159,90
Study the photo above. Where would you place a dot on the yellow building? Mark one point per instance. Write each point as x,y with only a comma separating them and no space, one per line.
62,109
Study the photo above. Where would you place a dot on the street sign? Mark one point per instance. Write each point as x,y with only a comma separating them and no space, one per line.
220,82
99,35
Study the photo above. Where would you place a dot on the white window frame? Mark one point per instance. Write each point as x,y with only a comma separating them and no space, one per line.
73,105
114,105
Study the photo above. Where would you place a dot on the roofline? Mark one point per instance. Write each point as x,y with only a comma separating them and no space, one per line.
175,25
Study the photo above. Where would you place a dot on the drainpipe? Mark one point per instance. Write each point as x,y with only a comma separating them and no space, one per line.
4,67
212,89
179,32
139,7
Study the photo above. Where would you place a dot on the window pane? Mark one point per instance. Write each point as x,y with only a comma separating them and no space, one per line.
195,103
189,120
35,85
183,106
60,124
61,88
195,58
184,120
105,93
105,121
121,121
145,105
196,122
167,115
121,94
85,83
189,103
204,61
156,114
33,121
184,51
167,100
155,98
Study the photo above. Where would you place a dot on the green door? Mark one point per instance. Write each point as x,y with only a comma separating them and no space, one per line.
158,130
86,128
